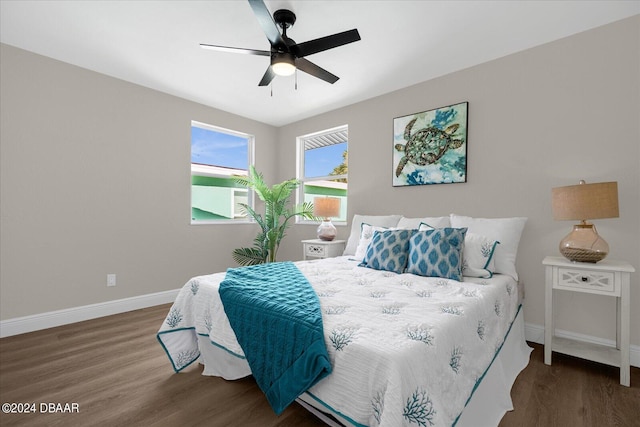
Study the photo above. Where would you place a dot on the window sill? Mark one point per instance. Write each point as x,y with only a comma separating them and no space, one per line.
316,223
221,222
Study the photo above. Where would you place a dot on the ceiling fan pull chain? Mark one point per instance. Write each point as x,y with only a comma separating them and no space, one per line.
296,79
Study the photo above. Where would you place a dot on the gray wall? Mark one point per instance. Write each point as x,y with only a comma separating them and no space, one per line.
95,176
542,118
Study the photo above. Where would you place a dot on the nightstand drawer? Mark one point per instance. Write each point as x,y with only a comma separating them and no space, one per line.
602,281
315,250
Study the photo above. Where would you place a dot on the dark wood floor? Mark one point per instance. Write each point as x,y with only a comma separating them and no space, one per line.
118,375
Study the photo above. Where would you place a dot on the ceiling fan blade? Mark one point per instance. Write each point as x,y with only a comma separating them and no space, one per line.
266,22
311,68
236,49
268,76
325,43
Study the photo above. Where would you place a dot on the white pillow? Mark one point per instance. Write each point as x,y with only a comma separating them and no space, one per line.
356,223
366,234
433,222
478,256
507,231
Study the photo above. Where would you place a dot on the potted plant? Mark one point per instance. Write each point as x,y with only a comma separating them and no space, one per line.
275,221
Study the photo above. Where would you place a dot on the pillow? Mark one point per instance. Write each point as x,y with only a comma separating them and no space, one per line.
425,227
433,222
507,231
366,234
388,250
377,220
437,253
477,256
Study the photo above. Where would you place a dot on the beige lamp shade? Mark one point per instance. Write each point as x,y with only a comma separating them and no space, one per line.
326,207
585,201
582,202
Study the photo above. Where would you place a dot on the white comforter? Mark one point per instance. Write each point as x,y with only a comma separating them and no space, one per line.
405,349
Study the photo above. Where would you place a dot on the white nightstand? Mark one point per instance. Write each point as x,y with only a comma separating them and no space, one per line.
316,248
607,277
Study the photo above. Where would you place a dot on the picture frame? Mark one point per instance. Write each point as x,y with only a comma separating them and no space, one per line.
430,147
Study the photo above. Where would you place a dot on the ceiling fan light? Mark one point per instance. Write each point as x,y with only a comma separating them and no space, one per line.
283,64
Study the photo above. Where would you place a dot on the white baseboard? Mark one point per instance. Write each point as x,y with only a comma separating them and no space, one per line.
535,333
36,322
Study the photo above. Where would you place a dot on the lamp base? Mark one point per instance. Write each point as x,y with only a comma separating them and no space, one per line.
584,244
327,231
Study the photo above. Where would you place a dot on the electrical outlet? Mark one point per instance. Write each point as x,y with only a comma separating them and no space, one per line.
111,279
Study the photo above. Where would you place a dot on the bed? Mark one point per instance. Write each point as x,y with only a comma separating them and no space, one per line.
410,338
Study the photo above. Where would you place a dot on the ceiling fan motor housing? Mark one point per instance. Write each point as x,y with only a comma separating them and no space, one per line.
285,18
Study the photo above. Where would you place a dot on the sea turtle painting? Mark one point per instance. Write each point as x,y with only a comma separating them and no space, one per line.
426,145
431,147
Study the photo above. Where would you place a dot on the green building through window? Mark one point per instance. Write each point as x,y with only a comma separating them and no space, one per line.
216,155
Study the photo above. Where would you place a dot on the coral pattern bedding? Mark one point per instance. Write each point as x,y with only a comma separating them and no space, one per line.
405,349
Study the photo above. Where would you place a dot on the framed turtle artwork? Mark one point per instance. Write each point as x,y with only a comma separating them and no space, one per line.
431,147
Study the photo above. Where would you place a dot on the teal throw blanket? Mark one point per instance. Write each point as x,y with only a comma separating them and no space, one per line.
276,317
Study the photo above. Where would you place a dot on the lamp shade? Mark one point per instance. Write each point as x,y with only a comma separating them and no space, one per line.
326,207
585,201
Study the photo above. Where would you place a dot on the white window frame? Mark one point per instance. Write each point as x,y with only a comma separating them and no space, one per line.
202,171
300,152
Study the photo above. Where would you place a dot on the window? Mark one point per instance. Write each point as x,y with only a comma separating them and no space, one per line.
216,155
322,167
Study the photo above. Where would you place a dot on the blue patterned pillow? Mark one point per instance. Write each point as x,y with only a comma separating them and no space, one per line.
388,250
437,253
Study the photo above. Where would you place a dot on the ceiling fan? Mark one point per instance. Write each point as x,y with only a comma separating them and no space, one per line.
287,55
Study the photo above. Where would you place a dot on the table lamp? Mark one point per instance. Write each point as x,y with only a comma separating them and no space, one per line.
583,202
325,208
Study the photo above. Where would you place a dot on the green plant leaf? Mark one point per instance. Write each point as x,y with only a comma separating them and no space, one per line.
249,256
275,221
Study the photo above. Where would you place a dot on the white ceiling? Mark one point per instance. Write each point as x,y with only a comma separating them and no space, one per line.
156,44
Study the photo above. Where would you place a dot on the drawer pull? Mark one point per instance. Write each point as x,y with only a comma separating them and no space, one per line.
584,278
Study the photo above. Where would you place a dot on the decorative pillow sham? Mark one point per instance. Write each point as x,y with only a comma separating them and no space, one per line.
437,253
477,256
356,224
388,250
433,222
507,231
